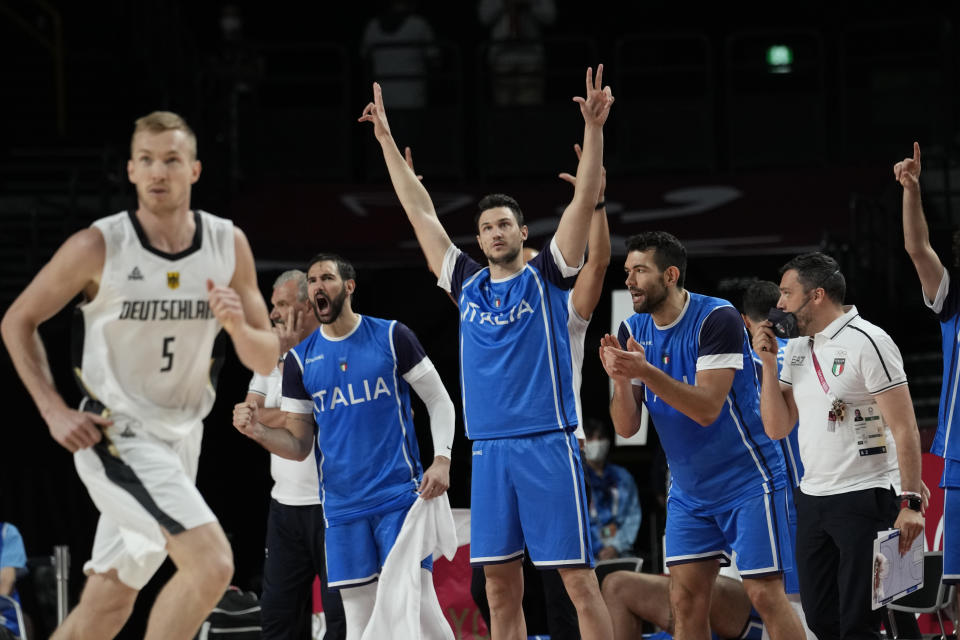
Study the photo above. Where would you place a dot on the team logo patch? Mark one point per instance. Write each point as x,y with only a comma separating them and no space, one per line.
135,274
124,426
343,364
666,358
173,279
838,366
496,303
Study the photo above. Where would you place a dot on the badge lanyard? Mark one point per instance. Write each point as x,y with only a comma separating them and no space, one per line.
837,406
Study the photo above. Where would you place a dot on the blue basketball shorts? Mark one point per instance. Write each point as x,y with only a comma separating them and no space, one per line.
951,521
356,550
757,529
529,490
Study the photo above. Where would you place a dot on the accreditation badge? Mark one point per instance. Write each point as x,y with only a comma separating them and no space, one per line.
869,428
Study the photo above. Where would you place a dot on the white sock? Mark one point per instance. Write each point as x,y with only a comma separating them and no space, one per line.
794,599
357,608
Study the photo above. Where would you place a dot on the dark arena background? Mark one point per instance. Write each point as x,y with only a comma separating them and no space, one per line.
752,131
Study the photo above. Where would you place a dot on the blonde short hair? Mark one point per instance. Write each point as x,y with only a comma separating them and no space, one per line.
160,121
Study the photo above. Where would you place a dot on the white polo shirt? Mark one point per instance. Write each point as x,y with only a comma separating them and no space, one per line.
295,483
858,361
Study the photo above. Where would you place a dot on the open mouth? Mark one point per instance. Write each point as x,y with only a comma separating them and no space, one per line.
322,303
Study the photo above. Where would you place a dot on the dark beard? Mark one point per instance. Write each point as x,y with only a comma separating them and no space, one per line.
335,306
651,304
507,258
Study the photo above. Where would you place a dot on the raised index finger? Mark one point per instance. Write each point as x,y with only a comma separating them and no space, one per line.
589,80
916,152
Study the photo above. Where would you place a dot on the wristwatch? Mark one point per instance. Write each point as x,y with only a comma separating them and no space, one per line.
909,501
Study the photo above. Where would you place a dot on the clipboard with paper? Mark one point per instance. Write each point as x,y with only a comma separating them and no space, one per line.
894,576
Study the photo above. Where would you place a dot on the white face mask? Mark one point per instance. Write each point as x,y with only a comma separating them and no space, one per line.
596,450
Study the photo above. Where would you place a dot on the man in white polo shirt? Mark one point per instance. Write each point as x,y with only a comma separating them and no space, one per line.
295,525
858,438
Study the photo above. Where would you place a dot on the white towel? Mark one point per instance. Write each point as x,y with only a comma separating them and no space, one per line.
405,608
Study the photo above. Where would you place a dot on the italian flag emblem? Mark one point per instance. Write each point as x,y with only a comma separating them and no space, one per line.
838,366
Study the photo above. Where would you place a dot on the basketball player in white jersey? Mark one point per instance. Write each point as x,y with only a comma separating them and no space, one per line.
158,284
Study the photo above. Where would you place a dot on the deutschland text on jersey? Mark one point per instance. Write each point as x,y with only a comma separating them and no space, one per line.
149,333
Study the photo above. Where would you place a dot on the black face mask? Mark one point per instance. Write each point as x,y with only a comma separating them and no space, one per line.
784,323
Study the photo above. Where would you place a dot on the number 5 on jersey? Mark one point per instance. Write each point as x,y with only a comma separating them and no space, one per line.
168,354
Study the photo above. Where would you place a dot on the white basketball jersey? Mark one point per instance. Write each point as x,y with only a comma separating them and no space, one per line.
149,332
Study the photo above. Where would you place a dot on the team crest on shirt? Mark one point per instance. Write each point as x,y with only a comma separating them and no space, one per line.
173,279
124,426
838,366
343,364
496,302
666,358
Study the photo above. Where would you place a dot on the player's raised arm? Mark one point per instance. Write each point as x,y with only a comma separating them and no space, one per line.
589,286
571,235
243,313
75,268
916,235
413,196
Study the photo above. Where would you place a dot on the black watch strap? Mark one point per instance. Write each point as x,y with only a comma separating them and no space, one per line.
911,502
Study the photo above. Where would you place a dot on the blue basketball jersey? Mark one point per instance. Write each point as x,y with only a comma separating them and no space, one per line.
790,444
12,554
716,466
945,442
516,371
366,447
